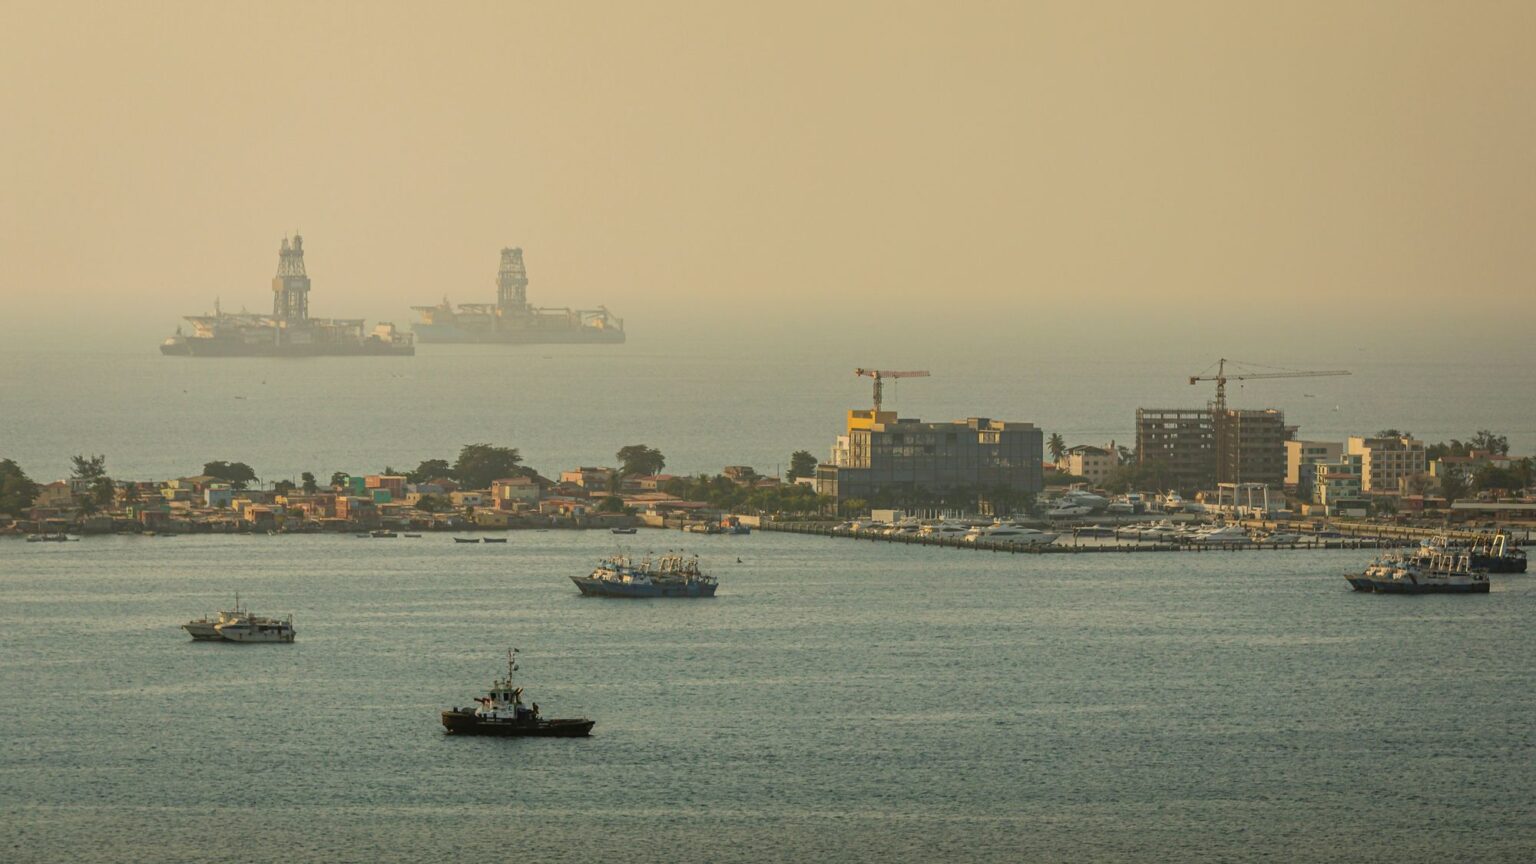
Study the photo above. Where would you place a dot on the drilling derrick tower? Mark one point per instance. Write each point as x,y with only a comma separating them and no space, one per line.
512,282
290,288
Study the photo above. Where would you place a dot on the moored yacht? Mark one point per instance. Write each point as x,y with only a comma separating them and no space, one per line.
1006,534
1225,534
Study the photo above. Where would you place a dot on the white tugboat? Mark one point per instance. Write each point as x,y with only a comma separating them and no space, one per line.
503,713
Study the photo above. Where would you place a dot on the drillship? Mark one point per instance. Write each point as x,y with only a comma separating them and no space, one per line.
288,331
511,319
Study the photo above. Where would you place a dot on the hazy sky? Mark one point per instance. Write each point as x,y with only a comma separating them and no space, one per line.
1275,177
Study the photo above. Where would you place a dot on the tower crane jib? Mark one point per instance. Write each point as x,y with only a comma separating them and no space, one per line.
880,375
1221,378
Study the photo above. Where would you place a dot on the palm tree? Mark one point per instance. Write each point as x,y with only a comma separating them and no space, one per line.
1057,445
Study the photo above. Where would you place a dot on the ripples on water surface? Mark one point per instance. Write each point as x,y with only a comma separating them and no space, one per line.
838,701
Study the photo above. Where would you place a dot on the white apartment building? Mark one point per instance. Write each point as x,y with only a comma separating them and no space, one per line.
1299,453
1386,463
1093,464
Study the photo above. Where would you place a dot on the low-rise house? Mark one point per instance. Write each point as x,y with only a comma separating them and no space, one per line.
652,482
742,474
512,492
218,495
357,508
467,499
1091,463
395,483
54,495
588,478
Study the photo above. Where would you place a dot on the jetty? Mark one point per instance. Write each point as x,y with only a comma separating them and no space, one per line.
1087,545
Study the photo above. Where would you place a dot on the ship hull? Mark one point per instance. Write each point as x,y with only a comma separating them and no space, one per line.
467,723
601,588
1394,586
447,333
1499,563
193,347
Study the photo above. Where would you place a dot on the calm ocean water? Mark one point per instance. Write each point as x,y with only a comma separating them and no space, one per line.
705,406
839,701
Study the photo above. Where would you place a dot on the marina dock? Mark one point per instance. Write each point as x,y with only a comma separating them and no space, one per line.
1077,545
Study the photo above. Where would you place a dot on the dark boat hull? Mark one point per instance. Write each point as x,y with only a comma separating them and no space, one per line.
467,723
600,588
194,347
1499,563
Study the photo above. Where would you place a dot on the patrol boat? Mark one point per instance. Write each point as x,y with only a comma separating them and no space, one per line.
502,712
240,625
671,575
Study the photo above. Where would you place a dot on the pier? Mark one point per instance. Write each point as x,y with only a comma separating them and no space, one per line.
1077,546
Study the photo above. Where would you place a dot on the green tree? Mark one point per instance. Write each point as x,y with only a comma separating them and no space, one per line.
854,506
479,465
91,472
104,492
1525,471
611,504
237,474
89,469
1151,477
432,504
17,491
284,487
639,460
801,464
1489,442
1057,445
340,479
131,493
309,485
1393,433
1452,487
432,469
1490,477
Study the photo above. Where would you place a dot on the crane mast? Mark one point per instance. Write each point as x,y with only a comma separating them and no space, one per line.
880,375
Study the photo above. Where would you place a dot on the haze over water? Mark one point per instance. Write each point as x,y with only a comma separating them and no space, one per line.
705,406
1062,210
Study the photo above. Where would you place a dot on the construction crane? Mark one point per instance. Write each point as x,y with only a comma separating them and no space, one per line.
881,374
1221,378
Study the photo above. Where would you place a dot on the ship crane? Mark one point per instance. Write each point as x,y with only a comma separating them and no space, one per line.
1221,378
881,374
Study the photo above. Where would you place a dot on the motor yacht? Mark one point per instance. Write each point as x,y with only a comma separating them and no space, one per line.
1007,534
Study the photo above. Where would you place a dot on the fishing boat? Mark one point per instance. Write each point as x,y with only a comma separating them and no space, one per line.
671,575
502,712
1491,552
1428,571
466,539
623,530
